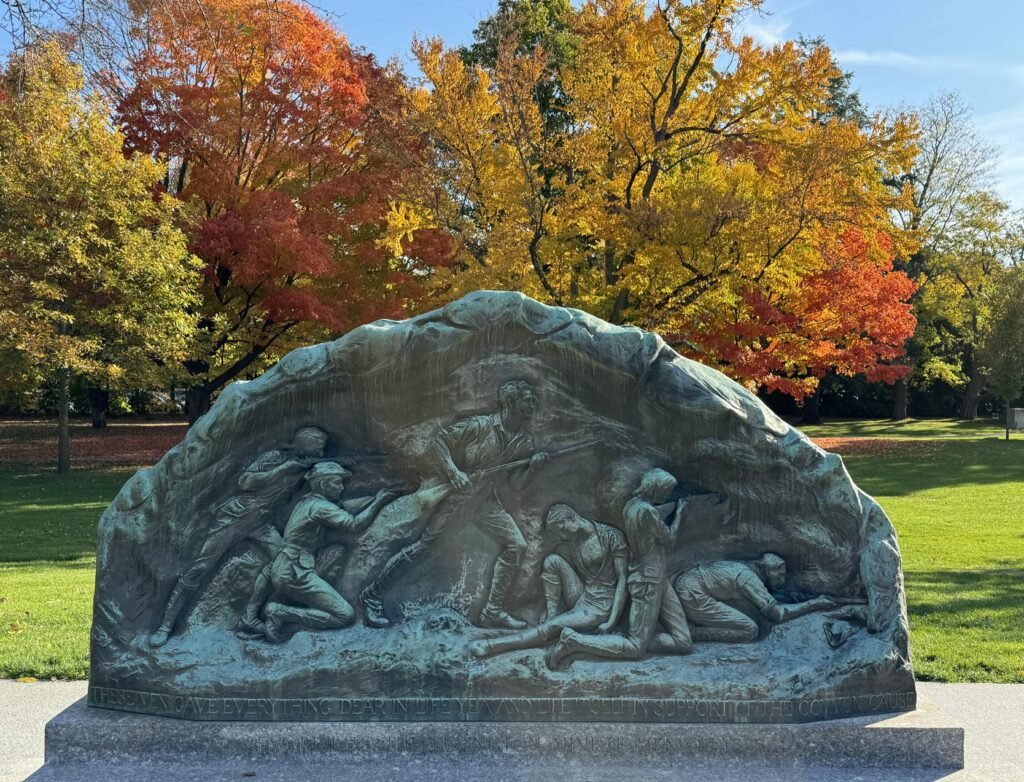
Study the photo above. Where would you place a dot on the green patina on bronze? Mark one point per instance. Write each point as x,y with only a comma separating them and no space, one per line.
497,511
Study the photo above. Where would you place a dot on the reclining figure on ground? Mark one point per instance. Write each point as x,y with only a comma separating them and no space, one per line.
583,590
707,591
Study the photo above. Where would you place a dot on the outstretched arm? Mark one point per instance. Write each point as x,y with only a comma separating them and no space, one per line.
756,592
261,474
366,516
336,517
784,612
619,601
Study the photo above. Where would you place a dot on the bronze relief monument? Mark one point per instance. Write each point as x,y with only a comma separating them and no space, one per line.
497,511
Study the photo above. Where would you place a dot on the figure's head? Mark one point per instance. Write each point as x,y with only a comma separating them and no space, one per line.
327,479
516,400
655,486
564,523
774,568
310,441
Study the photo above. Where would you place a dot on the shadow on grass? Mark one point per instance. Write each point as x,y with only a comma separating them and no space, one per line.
944,463
907,428
987,600
85,562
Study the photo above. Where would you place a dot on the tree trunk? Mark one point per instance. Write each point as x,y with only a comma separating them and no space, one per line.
969,405
99,403
197,402
812,406
63,424
899,402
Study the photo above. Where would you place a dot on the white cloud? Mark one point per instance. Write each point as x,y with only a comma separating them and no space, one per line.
891,59
765,30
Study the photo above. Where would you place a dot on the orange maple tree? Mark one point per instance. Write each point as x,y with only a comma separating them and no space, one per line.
852,317
288,143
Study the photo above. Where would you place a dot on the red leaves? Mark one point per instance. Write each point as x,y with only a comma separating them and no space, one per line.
265,237
852,317
291,145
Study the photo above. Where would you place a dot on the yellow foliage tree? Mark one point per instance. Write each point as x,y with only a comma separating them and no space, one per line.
695,175
96,280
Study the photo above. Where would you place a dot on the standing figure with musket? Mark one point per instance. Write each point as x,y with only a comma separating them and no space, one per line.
467,453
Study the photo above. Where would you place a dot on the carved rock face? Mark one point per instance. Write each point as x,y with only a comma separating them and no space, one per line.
189,544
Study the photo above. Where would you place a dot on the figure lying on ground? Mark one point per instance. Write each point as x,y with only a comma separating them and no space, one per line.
590,581
706,592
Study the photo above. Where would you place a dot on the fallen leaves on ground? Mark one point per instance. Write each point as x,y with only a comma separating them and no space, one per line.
141,443
875,446
135,443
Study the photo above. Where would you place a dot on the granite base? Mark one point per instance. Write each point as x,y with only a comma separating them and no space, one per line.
924,738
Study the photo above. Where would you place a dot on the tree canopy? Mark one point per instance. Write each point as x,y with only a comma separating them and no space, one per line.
700,185
286,145
96,279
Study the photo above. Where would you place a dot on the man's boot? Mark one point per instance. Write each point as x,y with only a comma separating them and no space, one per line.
552,585
175,603
373,608
562,651
250,626
274,628
494,613
370,598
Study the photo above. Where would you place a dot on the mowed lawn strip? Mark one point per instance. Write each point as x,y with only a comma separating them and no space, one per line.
958,505
913,428
47,568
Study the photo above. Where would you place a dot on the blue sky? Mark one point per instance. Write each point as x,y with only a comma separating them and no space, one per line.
902,51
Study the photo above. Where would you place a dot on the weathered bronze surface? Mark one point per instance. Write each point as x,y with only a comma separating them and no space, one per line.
497,511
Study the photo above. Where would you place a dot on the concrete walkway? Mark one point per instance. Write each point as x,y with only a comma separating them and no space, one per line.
992,716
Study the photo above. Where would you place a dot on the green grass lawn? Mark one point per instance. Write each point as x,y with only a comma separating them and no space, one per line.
47,565
957,502
958,506
909,427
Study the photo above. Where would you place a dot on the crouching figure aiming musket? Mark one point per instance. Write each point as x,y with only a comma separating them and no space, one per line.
312,603
263,487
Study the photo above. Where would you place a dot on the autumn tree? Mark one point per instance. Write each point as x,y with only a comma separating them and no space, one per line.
697,182
965,265
952,165
286,144
96,281
1002,349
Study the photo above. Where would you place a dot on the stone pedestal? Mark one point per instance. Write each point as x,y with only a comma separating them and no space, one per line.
82,737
